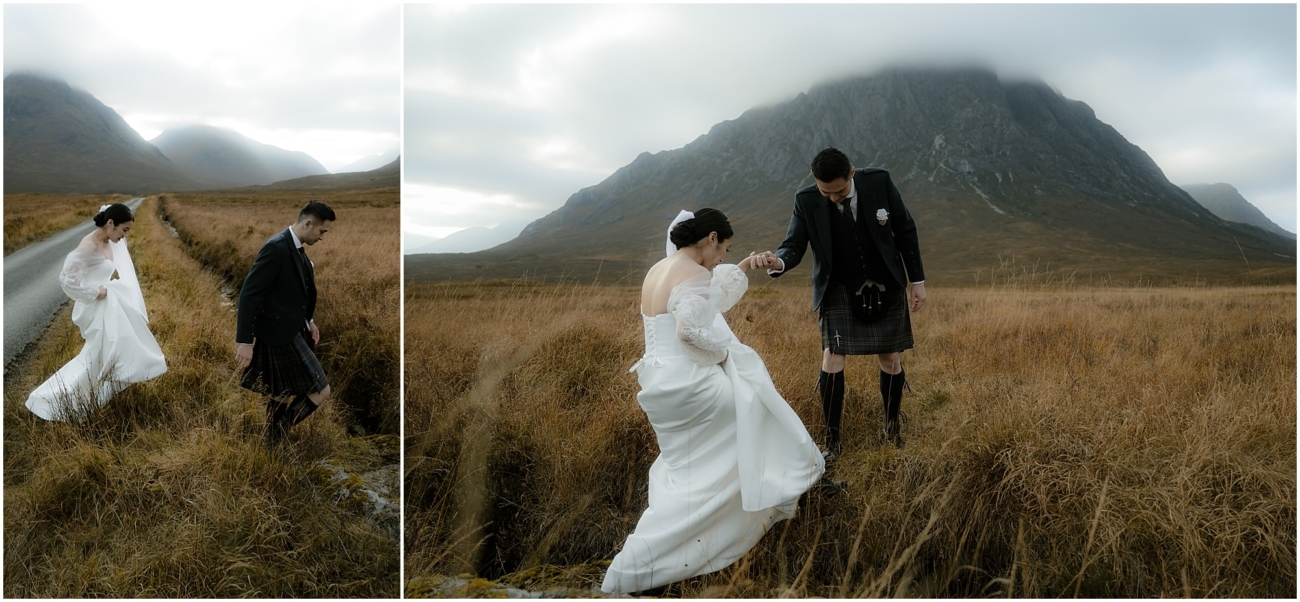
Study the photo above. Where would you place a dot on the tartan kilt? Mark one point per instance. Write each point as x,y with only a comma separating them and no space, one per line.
284,370
889,333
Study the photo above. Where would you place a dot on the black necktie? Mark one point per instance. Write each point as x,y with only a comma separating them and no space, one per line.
848,212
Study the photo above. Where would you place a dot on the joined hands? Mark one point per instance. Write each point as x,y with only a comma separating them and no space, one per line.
760,260
767,260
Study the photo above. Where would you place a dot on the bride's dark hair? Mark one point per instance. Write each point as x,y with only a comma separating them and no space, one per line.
697,228
119,213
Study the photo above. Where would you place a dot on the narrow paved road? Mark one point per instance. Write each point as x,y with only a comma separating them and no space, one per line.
32,293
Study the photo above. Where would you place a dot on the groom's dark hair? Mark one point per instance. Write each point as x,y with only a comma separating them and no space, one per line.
318,210
830,165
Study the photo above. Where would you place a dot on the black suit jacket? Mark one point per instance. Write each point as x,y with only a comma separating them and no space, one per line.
811,226
279,294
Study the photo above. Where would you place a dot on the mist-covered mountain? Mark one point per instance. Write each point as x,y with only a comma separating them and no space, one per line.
1226,202
388,176
369,163
991,170
231,159
468,240
63,140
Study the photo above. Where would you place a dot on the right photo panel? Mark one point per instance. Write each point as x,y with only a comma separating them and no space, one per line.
936,301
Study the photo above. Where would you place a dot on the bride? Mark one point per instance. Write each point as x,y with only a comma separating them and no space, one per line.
110,312
733,456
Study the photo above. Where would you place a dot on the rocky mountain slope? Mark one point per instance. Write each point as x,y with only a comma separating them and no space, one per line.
63,140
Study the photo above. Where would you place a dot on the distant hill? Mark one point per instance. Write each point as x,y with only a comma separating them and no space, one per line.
993,171
388,176
230,159
466,241
1224,201
369,163
58,139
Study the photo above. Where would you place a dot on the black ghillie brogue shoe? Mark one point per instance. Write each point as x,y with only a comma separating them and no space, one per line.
833,447
893,433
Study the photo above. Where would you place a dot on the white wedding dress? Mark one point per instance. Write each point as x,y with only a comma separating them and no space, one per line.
119,348
733,456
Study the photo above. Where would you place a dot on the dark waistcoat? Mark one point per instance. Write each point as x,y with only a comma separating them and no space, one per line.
852,261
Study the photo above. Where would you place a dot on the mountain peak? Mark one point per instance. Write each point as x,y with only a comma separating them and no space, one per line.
989,168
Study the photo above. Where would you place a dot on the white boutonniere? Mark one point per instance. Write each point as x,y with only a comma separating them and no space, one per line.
882,216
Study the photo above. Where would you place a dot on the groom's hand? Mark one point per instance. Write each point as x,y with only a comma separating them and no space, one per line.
918,295
767,260
315,333
243,354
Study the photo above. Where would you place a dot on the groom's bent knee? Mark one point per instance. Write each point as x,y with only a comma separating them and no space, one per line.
891,363
832,362
320,396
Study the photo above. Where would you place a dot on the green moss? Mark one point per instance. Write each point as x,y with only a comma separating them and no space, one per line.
424,587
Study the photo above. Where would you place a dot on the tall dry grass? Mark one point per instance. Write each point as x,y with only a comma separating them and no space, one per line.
357,278
30,217
167,491
1061,442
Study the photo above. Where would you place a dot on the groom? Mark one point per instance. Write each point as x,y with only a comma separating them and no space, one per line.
276,336
861,235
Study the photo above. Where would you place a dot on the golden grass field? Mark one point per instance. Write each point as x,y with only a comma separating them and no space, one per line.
30,217
167,491
1062,441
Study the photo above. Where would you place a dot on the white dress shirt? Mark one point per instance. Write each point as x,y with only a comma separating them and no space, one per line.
297,244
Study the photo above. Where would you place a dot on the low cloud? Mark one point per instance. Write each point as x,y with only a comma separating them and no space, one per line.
537,101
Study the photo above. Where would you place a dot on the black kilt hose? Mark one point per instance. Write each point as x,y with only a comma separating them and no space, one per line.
844,333
284,370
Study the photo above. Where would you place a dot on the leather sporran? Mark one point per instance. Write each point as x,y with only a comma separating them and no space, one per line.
868,301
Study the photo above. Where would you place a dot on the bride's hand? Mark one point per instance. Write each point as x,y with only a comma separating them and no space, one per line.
103,293
747,263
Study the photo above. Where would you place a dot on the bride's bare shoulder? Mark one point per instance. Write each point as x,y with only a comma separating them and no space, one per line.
87,245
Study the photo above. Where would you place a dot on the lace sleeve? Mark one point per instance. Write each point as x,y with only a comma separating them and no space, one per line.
694,306
73,279
729,284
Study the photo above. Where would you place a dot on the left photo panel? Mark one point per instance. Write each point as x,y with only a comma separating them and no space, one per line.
202,336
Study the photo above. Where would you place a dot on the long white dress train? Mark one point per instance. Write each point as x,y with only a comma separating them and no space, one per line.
733,456
119,348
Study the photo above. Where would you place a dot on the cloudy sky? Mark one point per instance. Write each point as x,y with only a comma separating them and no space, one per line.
320,78
509,109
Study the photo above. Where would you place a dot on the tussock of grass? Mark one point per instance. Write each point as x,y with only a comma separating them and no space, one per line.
1061,442
167,491
30,217
356,274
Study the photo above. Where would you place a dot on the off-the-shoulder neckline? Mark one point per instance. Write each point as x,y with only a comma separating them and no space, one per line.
694,278
90,252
